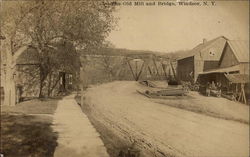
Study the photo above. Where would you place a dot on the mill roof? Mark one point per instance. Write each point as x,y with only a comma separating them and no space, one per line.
240,49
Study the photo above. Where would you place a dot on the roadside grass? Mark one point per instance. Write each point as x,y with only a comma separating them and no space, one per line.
25,135
26,129
206,112
211,106
35,106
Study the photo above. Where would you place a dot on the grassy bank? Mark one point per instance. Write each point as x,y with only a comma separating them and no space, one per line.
211,106
26,129
35,106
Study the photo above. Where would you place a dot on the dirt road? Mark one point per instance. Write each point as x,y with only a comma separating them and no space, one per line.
161,130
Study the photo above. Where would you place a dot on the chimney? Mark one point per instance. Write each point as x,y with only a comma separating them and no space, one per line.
204,40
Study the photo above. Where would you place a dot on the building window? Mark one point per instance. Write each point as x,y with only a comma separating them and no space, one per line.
211,53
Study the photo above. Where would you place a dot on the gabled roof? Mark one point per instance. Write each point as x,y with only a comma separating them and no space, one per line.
26,55
240,49
201,46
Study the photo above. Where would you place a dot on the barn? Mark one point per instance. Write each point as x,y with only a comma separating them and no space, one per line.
234,60
233,69
203,57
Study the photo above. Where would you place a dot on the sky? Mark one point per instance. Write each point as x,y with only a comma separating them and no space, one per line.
172,28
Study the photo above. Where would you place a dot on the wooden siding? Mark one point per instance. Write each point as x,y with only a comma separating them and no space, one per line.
185,69
228,58
244,68
208,58
205,57
208,65
198,66
213,51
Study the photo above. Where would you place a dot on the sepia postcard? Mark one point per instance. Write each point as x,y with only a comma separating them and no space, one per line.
125,78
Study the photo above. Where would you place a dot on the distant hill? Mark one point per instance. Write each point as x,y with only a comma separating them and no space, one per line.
121,52
176,54
132,53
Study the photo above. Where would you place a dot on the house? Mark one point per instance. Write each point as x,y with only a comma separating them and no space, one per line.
28,75
203,57
25,74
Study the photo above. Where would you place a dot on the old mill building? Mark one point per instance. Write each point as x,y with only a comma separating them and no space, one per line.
203,57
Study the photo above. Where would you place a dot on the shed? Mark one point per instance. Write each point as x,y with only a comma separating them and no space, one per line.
238,78
241,83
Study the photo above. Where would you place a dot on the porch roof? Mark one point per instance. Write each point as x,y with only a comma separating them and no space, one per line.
237,78
222,70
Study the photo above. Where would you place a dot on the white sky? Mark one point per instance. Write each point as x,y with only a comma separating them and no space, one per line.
174,28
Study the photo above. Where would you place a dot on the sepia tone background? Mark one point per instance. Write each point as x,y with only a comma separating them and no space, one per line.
94,78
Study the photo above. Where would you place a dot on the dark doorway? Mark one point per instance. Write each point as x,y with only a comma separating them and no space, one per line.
62,77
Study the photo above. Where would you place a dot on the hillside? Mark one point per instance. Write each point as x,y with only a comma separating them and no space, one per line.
134,53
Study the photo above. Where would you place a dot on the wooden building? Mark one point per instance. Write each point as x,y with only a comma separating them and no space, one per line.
234,59
28,73
233,69
203,57
20,76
